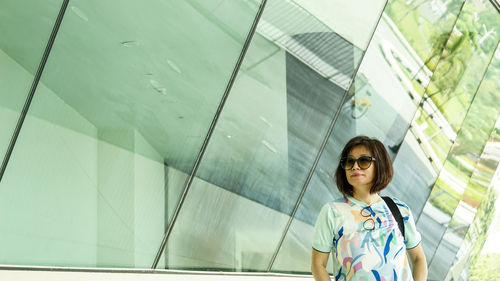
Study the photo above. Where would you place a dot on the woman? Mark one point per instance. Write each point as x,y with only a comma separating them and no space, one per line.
359,227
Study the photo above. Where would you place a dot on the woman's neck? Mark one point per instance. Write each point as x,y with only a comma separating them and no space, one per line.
367,197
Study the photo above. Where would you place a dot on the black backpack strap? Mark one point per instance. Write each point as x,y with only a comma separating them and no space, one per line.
396,213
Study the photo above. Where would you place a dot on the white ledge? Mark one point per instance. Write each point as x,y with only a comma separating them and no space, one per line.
22,273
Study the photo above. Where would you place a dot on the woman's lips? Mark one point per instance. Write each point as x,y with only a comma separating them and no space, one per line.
356,175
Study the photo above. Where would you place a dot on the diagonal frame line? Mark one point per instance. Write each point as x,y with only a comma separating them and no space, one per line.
189,180
441,54
320,152
496,5
33,88
451,147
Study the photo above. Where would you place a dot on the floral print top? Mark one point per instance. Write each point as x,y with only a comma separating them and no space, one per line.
366,251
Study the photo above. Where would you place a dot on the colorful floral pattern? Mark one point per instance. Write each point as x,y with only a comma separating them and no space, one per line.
363,254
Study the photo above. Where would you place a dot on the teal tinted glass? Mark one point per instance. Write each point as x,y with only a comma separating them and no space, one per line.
130,91
292,81
115,127
24,35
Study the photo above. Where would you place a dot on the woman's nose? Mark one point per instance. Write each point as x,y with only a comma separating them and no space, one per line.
355,166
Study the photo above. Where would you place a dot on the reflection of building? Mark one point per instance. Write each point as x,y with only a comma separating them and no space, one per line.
202,135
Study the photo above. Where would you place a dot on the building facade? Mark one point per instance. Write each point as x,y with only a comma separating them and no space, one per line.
203,135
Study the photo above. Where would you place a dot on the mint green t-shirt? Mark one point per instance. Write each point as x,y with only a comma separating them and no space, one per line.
363,254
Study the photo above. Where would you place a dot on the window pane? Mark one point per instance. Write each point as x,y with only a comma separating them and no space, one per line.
446,122
124,106
275,119
481,238
25,33
393,77
355,22
468,171
379,104
425,26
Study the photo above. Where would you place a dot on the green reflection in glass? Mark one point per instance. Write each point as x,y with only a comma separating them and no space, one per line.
455,176
115,127
24,34
470,250
425,25
472,165
467,230
456,78
423,28
477,238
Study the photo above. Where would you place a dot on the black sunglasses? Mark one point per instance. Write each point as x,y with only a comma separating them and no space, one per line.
364,162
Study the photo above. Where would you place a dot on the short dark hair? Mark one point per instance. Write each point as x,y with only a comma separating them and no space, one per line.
383,165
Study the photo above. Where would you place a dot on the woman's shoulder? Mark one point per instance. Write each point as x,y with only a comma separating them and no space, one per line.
402,206
399,202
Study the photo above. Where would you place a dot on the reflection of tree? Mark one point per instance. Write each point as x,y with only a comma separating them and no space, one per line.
459,46
482,117
454,60
451,69
487,269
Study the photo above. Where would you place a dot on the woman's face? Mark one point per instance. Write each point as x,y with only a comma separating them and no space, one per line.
358,178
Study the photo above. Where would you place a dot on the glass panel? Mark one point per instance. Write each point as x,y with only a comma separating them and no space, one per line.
425,26
266,141
295,254
452,89
381,104
116,125
421,29
397,68
481,242
414,175
467,176
220,230
457,76
412,34
466,232
25,33
355,22
306,30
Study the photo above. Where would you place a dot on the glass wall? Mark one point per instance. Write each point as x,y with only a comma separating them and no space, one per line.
204,134
459,103
388,88
293,79
423,28
471,155
25,33
116,124
476,255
